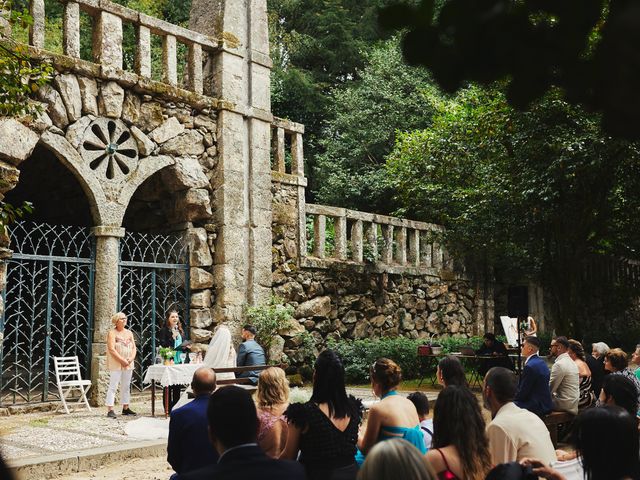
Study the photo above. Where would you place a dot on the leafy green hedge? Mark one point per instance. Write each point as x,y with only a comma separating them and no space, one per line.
359,355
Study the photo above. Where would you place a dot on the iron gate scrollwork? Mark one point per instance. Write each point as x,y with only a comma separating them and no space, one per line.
154,279
48,308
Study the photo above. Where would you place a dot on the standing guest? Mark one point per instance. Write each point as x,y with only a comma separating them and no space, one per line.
460,445
171,336
616,363
533,390
325,429
576,353
395,459
514,433
635,359
121,354
595,361
188,447
491,346
273,400
233,426
394,416
421,402
564,381
250,353
530,327
451,372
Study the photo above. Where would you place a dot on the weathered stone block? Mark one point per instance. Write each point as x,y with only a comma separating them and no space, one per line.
150,116
75,132
188,143
168,130
199,253
8,176
203,121
201,299
89,95
200,318
294,328
56,108
199,279
16,141
131,108
111,100
378,321
67,85
276,349
194,205
201,335
145,145
350,317
184,174
316,307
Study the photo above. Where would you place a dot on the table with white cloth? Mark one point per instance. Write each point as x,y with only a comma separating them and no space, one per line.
167,375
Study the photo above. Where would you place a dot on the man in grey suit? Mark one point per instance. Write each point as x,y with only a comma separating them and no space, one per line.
564,381
250,353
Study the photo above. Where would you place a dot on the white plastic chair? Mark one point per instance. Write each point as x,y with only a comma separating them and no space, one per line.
68,378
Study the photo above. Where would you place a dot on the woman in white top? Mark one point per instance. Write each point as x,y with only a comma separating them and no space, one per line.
121,354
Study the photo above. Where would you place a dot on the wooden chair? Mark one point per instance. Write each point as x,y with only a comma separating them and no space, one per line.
68,378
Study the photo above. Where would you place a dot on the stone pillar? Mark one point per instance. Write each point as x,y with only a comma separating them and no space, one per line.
242,181
105,305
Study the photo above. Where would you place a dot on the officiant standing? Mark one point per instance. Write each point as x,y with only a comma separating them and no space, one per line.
172,336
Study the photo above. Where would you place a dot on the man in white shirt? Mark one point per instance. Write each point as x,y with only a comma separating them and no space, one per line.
514,433
564,382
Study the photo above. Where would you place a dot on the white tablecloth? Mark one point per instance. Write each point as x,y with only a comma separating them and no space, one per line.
167,375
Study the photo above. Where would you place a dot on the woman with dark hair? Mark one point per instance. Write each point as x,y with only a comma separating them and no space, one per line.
460,445
451,372
586,397
394,416
620,391
171,335
325,429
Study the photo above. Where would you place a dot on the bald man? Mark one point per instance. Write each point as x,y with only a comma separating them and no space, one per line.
189,447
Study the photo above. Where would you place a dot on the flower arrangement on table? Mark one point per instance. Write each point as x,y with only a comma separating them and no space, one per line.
167,354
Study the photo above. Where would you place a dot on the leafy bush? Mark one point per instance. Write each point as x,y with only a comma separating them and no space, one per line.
269,319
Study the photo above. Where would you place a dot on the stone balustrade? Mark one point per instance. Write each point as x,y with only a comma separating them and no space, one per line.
387,243
108,19
287,135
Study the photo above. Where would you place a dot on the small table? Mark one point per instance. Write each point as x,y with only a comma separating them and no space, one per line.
469,362
167,375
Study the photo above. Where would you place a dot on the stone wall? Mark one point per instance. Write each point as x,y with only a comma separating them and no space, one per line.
344,301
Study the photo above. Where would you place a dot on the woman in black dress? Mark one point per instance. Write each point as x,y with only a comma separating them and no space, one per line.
325,429
167,337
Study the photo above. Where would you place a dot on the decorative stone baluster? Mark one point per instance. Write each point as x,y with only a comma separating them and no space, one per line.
356,241
414,247
372,240
71,29
195,68
278,150
36,30
319,235
143,52
401,246
107,43
437,255
297,155
341,238
169,60
387,251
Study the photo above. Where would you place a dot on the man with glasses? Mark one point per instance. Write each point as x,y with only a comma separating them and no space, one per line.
564,381
533,390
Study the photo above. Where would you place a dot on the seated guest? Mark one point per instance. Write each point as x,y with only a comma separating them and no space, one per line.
576,353
273,399
233,426
635,359
188,447
620,391
324,430
394,416
451,372
493,347
250,353
421,402
616,363
460,446
606,440
564,380
533,389
595,361
395,459
514,433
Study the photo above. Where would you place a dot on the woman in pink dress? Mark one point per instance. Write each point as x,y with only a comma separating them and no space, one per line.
273,399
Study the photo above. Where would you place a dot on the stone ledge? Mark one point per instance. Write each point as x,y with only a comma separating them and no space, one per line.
288,179
288,125
349,265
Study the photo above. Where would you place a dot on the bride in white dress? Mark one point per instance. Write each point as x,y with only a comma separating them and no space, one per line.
220,354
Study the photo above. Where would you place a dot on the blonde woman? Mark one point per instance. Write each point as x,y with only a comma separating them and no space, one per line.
121,354
395,459
273,400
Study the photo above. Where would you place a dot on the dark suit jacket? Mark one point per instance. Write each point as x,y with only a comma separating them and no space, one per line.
250,353
533,389
248,463
189,447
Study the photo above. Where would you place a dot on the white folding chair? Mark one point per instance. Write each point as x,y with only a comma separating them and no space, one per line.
69,378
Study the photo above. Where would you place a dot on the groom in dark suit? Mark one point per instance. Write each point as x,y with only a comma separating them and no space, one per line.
233,429
533,390
250,353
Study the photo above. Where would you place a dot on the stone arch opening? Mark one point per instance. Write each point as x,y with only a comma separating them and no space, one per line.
56,194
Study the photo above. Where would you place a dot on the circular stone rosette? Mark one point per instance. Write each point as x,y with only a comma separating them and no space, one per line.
109,148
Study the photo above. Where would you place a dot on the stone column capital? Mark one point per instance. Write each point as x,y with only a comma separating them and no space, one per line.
108,231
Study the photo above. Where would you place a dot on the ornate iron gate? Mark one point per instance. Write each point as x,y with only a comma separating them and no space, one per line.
154,279
48,308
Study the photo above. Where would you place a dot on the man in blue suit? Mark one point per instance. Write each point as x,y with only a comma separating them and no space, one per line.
533,389
250,353
233,428
189,447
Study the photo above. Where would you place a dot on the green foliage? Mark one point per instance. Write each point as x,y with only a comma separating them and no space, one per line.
166,353
269,319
